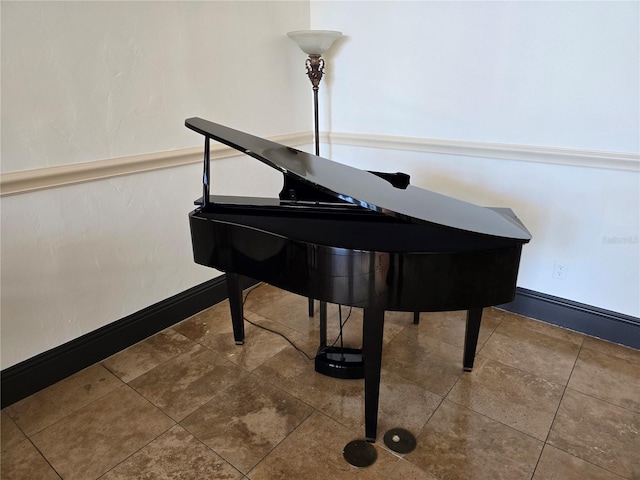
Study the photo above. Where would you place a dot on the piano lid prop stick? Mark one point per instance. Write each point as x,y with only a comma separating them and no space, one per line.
206,173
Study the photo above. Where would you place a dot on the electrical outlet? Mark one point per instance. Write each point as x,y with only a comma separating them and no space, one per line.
560,270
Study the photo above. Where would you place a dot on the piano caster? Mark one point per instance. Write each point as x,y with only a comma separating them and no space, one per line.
360,453
467,369
400,440
239,342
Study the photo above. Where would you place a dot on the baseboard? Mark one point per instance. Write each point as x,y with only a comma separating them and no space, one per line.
611,326
36,373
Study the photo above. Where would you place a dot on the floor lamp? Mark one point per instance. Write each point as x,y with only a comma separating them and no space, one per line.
359,453
314,43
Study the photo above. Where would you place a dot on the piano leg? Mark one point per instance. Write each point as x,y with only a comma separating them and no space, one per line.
372,330
235,302
474,317
311,307
323,324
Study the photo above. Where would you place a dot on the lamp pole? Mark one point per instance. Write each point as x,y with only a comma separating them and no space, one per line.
315,71
314,43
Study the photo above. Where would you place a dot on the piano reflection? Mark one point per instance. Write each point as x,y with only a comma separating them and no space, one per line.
351,237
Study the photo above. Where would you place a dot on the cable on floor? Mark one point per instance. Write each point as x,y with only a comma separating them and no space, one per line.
339,337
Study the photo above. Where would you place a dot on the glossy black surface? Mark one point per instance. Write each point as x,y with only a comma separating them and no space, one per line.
338,362
350,237
354,258
367,189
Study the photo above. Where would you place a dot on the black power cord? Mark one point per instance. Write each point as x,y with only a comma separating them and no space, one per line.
339,337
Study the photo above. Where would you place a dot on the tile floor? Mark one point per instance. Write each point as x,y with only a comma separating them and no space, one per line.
541,403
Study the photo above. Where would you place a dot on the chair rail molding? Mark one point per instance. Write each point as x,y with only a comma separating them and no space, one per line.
503,151
13,183
25,181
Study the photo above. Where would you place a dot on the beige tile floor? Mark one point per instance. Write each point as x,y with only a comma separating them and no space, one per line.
541,403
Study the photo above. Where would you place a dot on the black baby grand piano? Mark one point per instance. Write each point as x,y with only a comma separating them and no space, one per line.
347,236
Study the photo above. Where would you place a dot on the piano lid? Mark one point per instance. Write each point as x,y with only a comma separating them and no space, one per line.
366,189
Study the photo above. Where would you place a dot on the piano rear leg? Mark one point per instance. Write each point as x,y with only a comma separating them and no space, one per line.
235,302
474,317
323,324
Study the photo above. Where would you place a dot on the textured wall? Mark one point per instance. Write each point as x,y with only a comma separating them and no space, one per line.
557,74
84,81
545,74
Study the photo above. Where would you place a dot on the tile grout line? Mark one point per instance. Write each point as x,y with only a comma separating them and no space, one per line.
564,391
564,386
44,457
153,439
546,442
543,442
496,421
73,412
444,397
210,448
553,421
27,438
143,446
314,410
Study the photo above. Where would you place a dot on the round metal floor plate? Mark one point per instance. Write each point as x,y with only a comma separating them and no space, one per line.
360,453
400,440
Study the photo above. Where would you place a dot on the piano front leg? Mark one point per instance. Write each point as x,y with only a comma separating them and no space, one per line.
372,330
474,317
235,302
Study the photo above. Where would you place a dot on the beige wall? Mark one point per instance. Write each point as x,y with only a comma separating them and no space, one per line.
553,84
92,81
89,81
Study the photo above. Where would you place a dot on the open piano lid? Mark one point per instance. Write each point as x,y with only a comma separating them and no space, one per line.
366,189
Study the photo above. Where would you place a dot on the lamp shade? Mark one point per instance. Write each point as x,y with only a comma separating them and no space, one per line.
314,42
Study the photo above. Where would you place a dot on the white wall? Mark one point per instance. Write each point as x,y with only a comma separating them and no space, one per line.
548,74
561,74
570,222
85,81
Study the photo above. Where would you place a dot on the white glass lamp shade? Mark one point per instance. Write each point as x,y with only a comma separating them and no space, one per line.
314,42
